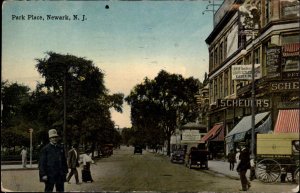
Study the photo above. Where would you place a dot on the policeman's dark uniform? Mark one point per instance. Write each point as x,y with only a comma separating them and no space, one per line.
53,164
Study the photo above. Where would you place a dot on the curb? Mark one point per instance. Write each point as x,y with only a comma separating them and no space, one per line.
210,171
15,169
219,173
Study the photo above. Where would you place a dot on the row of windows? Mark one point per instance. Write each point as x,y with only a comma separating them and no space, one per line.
284,9
223,86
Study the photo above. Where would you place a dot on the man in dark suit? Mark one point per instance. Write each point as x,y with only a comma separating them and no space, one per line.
53,167
73,163
243,166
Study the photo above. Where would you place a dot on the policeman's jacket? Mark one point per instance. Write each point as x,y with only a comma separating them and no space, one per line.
53,163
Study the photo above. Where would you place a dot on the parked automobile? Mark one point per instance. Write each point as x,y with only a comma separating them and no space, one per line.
138,149
178,156
107,150
198,158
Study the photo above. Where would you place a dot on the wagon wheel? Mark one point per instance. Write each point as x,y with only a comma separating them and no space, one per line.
268,170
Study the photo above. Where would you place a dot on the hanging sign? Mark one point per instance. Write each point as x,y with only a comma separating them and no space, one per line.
244,72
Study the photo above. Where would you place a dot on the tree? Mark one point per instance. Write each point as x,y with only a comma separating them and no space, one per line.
163,104
87,99
14,126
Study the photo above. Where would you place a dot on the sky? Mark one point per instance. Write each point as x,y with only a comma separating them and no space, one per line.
129,41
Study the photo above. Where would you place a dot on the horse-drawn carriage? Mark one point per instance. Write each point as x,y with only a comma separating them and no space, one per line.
277,157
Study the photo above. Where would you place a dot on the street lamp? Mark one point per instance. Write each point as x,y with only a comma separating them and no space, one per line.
70,70
65,110
30,135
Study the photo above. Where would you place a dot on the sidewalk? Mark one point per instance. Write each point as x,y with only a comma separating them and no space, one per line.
19,167
222,168
219,167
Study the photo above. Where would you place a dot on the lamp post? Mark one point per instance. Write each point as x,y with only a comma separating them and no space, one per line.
67,70
30,149
65,110
253,103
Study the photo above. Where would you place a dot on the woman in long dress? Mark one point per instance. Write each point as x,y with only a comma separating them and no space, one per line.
86,171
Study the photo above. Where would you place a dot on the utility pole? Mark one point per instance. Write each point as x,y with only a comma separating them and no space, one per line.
249,8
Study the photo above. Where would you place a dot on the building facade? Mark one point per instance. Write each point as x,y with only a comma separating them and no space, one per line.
273,43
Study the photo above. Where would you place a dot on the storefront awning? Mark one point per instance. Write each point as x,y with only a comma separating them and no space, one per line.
219,136
212,133
239,131
291,49
287,121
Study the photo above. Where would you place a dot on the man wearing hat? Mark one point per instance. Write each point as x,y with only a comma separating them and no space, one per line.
73,163
53,166
242,167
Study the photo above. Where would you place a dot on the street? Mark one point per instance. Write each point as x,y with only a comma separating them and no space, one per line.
124,171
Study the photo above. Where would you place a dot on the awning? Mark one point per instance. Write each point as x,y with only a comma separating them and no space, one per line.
287,121
219,136
212,133
239,131
291,49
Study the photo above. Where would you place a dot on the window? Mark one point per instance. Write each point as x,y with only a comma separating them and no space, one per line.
257,56
221,52
288,39
290,9
211,91
247,60
291,64
268,10
216,58
290,53
231,83
226,83
225,48
211,61
215,89
221,86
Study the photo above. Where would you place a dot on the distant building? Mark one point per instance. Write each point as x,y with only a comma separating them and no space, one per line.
188,136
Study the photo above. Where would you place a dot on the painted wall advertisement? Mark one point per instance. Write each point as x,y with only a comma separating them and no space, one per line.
274,62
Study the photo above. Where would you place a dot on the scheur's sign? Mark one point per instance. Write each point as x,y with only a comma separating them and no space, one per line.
243,103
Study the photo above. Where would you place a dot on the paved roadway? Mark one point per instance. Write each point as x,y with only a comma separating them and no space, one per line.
16,178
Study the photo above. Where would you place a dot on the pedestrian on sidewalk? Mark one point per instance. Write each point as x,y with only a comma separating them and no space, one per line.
252,170
73,163
86,171
24,156
237,155
231,159
53,166
242,166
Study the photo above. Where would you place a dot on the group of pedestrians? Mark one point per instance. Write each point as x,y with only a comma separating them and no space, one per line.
53,164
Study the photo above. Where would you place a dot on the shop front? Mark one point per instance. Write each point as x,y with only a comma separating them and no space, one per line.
214,141
242,131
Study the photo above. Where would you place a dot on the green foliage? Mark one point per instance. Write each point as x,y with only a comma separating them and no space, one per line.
161,105
87,100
